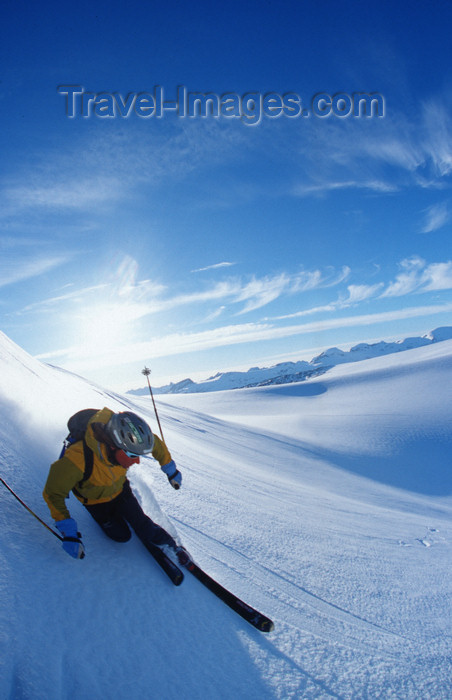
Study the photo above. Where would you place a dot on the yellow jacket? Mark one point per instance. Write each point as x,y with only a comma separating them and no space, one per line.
106,481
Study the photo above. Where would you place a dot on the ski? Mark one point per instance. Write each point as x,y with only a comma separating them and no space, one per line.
168,566
250,614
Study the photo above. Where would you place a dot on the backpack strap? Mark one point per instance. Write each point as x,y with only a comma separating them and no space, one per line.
89,462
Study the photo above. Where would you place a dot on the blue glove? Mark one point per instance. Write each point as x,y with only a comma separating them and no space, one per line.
173,474
72,543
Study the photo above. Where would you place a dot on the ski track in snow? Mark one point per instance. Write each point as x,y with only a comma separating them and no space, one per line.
292,599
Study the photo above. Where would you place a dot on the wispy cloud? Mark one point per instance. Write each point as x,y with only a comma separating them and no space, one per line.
72,193
362,292
418,276
408,280
415,276
93,172
436,217
356,293
213,316
134,298
215,266
391,154
437,135
437,276
303,190
76,296
21,269
260,292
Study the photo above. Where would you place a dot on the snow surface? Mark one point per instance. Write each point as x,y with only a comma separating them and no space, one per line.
327,504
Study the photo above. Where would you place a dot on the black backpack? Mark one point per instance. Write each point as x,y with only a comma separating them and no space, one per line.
77,425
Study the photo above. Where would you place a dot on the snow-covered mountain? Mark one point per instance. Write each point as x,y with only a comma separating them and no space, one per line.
327,504
289,372
365,351
256,376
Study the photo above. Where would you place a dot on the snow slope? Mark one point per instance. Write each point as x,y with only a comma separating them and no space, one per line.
327,504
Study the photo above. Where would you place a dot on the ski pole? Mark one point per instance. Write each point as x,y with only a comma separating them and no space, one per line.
146,371
29,510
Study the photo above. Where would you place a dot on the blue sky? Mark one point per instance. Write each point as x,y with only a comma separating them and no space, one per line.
202,244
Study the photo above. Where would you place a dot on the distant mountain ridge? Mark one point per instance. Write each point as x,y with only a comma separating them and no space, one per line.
288,372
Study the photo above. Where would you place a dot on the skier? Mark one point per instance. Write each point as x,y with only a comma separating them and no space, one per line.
117,440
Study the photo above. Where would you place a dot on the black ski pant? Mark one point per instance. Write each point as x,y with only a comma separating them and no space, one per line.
114,517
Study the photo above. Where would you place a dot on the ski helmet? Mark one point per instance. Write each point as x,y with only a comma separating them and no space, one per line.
130,433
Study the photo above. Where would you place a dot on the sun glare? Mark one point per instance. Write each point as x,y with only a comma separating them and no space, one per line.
104,327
